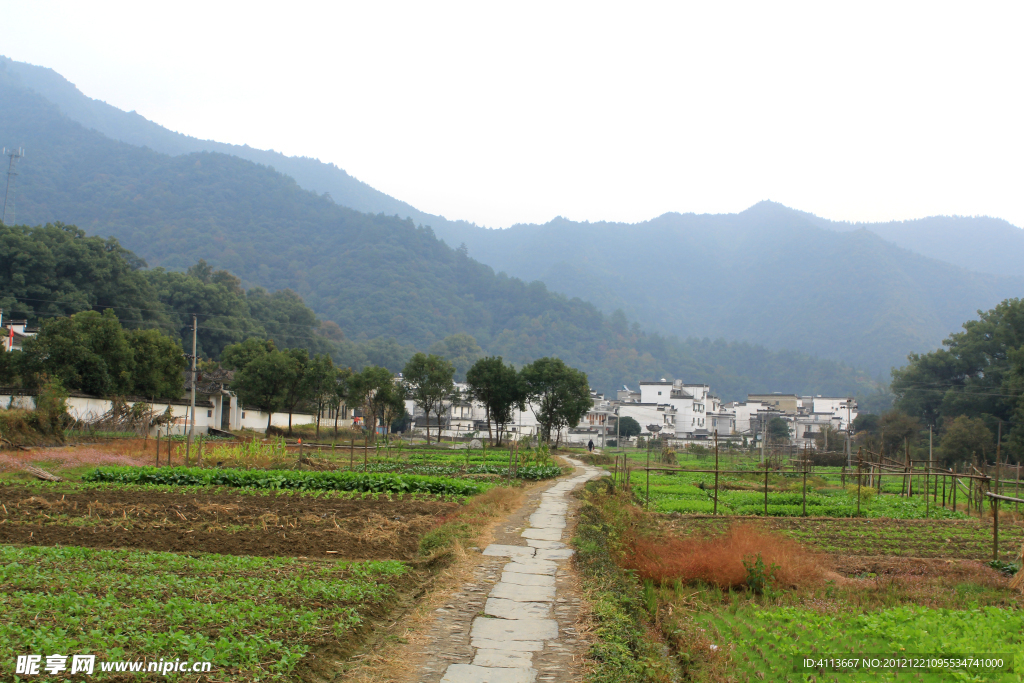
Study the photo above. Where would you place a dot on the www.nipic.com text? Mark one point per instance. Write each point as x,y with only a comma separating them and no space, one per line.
34,665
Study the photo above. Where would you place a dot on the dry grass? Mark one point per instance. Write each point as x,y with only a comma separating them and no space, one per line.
718,560
126,452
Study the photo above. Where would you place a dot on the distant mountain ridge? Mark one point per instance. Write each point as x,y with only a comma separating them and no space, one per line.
134,129
994,246
769,275
378,277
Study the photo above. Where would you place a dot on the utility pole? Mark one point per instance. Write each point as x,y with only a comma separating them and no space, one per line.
14,154
849,430
764,434
618,444
192,426
927,476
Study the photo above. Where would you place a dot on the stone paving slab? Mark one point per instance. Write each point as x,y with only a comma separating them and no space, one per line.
508,645
562,554
514,629
497,550
524,593
532,567
544,545
510,609
503,658
543,534
547,521
468,673
518,579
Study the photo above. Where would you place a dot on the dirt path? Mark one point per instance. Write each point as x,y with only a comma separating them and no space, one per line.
515,620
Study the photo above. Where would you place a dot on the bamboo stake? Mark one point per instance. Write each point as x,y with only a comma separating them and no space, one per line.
953,470
716,473
859,463
805,490
766,487
995,501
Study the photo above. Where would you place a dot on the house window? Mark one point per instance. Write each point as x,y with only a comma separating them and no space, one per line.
243,414
209,413
659,393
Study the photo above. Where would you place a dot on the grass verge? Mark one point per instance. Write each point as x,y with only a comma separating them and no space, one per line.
626,648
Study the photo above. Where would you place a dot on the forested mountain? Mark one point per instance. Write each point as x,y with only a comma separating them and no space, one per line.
130,127
378,278
978,243
769,275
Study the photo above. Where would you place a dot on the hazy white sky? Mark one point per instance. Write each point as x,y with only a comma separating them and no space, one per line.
517,112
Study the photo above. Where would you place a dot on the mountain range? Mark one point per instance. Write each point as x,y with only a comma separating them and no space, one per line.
865,295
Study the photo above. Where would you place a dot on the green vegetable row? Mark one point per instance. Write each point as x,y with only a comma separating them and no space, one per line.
253,618
282,479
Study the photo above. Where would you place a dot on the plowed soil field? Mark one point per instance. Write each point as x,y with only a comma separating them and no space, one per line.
262,525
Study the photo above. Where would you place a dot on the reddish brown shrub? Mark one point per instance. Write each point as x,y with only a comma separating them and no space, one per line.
718,560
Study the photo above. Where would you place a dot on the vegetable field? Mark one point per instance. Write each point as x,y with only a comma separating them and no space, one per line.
254,618
285,479
767,640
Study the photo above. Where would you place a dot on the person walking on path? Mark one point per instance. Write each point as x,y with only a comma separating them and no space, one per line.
590,445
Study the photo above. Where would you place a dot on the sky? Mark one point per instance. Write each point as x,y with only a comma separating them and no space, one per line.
513,112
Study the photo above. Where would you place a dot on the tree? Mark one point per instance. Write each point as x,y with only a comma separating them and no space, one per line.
866,423
830,439
963,438
262,374
628,427
296,388
382,398
778,430
461,349
342,393
559,394
321,380
897,429
499,388
971,376
219,300
429,381
159,363
57,270
86,352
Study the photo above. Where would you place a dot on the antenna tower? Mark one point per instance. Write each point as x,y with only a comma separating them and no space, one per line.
14,154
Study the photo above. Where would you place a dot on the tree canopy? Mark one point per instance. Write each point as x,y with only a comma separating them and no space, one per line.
92,353
429,381
979,373
560,395
499,388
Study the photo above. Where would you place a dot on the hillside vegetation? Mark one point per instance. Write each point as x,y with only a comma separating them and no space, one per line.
379,278
769,275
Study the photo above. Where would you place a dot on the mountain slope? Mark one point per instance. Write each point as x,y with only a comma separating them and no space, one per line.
978,243
376,276
765,275
769,275
134,129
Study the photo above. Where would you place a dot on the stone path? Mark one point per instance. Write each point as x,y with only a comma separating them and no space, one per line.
517,620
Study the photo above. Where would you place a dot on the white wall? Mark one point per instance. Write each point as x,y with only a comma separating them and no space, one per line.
655,392
207,414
